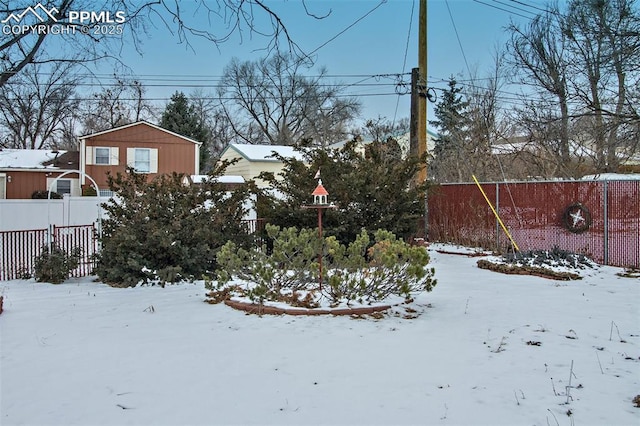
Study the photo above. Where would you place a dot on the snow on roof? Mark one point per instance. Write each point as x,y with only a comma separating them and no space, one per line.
220,179
264,152
404,140
28,158
612,176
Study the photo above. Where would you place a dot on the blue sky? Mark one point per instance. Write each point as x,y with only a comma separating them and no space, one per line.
376,45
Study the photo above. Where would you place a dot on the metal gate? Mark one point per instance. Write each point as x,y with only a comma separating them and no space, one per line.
18,249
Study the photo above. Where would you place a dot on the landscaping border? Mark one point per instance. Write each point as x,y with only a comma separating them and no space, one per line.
254,308
527,270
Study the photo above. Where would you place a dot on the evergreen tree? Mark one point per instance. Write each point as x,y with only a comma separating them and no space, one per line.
180,116
164,230
453,127
371,191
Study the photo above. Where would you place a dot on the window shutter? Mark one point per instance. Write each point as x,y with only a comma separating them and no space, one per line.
114,154
76,190
89,156
153,160
131,157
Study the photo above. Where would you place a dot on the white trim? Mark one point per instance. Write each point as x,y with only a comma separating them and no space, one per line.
14,169
82,167
3,186
197,163
153,159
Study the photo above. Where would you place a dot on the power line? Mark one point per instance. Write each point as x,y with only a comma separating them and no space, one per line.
404,62
534,7
347,28
502,9
519,9
455,29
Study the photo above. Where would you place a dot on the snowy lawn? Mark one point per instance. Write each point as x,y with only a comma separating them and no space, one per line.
486,349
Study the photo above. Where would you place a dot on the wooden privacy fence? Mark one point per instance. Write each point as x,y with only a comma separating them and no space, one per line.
598,218
18,249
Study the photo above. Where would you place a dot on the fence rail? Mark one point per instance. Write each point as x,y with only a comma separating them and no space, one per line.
18,249
536,214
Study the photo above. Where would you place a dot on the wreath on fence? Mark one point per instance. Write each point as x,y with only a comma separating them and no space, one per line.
576,218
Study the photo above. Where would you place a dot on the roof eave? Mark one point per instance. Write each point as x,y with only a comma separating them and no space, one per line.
125,126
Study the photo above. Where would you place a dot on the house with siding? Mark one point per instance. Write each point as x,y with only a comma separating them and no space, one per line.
25,171
145,147
255,159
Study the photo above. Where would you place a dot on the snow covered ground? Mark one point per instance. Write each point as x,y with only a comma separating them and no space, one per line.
486,349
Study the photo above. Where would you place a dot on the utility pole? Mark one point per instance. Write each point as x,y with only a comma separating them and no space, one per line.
422,86
418,124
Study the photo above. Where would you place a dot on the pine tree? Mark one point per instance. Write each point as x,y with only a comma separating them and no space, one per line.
453,127
180,117
168,231
372,191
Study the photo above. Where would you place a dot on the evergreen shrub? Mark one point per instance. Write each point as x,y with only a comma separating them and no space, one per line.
164,231
374,189
44,194
364,271
55,265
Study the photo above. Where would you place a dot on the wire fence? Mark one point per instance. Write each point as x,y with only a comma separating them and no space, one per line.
600,219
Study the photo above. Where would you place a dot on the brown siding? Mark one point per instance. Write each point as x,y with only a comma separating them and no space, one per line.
24,183
174,153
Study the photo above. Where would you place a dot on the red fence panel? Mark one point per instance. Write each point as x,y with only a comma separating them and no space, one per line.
82,237
536,213
18,249
623,226
458,213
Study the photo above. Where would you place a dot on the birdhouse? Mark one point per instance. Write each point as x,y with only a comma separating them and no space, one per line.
320,194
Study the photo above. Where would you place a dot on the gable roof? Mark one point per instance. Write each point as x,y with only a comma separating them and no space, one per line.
138,123
252,152
38,159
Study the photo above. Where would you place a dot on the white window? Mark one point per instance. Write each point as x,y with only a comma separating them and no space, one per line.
143,160
106,193
102,155
63,186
